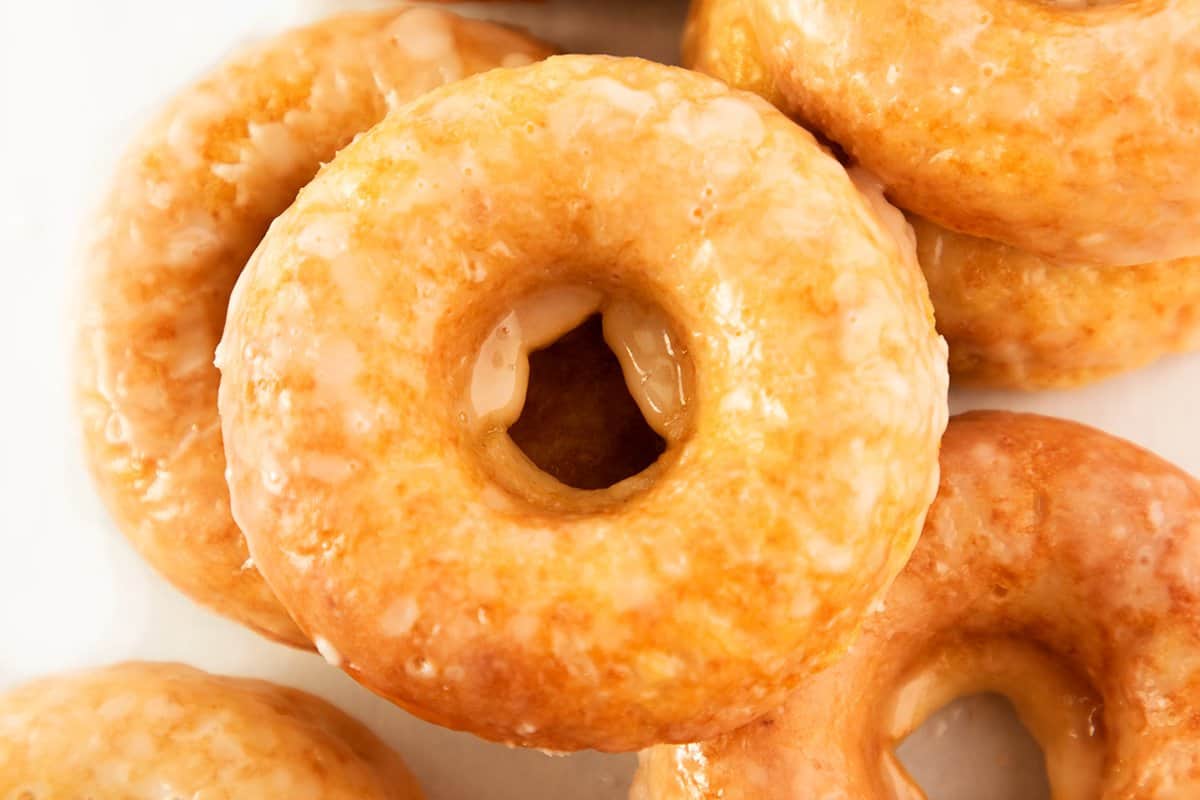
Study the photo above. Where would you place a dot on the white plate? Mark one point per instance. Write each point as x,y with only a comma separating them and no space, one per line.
74,80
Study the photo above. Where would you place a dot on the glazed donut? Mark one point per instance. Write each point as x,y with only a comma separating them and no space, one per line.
142,730
770,328
1058,567
1012,319
1063,129
189,203
1017,320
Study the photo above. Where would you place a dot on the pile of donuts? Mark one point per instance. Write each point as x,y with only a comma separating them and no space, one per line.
324,286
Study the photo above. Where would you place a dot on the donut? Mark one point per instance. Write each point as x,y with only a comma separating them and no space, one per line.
147,730
769,326
719,39
1015,320
1057,567
189,203
1065,129
1012,319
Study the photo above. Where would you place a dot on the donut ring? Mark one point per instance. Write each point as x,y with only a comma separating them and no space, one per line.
189,203
1016,320
1095,170
1057,566
1012,319
142,730
799,385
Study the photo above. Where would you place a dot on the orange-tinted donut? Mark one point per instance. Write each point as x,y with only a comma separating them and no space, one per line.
189,203
1011,318
1017,320
769,325
1068,132
1058,567
141,731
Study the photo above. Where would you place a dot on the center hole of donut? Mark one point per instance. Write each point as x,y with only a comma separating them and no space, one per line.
590,386
976,748
579,423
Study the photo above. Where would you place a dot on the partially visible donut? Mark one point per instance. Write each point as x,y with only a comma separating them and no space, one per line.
1016,320
190,202
1057,567
719,39
771,328
141,731
1011,318
1070,130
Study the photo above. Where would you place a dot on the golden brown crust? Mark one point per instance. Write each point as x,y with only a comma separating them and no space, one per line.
719,40
1011,318
1016,320
1058,563
820,398
141,731
1069,133
190,202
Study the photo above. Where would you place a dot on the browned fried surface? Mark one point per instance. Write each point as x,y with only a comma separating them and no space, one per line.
689,601
190,202
142,731
1011,318
1067,555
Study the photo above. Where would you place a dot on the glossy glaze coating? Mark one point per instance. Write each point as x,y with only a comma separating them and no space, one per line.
189,203
1011,318
1058,567
1066,132
455,579
142,731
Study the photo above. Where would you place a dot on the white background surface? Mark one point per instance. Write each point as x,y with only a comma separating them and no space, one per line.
74,80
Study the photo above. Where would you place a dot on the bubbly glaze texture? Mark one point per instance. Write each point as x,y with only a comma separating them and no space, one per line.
1067,132
1057,566
142,731
190,202
505,603
1011,318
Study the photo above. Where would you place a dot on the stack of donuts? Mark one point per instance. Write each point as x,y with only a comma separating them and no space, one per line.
1043,151
733,529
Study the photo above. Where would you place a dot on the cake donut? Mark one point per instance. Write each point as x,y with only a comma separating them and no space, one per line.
1065,129
1012,319
770,327
189,202
1016,320
1057,567
145,731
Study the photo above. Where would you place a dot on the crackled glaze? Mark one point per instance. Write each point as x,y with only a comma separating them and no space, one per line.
1057,566
189,204
1011,318
1067,132
142,731
678,603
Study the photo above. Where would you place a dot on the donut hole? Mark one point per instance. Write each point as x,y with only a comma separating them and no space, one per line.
975,748
577,395
579,423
